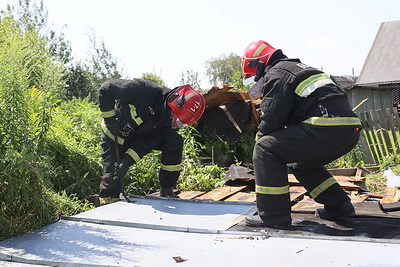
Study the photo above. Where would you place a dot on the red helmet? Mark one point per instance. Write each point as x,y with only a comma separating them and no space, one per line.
187,106
255,52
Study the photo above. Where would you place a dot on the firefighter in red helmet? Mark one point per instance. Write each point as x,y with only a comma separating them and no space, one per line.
140,116
306,123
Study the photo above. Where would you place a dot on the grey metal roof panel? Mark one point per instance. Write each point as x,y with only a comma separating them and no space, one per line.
382,64
72,244
167,214
150,232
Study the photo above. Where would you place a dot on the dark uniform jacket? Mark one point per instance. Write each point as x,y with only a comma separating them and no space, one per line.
139,105
294,92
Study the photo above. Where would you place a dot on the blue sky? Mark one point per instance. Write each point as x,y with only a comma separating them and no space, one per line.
171,37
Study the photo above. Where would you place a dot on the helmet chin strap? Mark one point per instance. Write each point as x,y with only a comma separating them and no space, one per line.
260,70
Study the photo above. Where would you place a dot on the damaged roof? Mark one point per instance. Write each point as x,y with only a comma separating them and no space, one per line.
207,229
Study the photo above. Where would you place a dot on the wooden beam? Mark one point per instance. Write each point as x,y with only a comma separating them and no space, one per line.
242,196
221,193
190,194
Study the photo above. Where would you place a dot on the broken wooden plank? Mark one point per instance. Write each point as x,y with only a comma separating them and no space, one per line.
359,172
190,194
353,171
219,96
391,195
343,182
356,198
351,179
307,204
242,196
221,193
297,193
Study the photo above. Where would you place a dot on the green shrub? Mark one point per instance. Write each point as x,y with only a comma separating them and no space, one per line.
142,177
196,173
73,147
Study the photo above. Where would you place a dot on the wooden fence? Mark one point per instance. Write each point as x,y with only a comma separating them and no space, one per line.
381,131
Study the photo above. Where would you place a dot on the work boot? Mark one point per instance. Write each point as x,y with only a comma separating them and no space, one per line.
256,221
108,200
168,192
345,210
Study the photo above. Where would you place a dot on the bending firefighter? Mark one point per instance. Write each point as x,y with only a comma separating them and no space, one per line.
140,116
306,123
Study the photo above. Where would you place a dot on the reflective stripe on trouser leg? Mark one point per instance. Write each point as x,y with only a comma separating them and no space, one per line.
272,189
169,175
322,187
171,160
320,184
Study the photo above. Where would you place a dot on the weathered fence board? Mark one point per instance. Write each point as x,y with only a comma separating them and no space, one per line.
381,130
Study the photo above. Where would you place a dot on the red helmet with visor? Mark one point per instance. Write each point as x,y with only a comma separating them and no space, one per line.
258,51
187,106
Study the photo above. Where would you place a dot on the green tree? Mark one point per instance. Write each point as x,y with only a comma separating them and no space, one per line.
103,65
192,78
33,16
154,78
221,70
79,83
84,78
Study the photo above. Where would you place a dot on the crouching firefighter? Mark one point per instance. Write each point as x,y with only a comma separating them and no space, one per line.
306,123
140,116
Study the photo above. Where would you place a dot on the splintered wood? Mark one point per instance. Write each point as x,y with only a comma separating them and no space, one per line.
391,195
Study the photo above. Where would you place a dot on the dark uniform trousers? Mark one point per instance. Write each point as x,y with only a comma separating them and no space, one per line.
168,141
305,149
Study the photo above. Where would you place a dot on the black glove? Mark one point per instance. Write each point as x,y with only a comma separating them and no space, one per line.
123,168
113,125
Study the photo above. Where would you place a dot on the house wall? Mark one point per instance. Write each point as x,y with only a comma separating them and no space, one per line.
377,98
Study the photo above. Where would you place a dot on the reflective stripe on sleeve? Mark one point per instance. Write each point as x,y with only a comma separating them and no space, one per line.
171,168
322,187
270,190
134,115
336,121
108,114
312,83
109,134
132,153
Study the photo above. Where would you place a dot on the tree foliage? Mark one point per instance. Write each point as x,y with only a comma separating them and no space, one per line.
154,78
192,78
33,16
221,70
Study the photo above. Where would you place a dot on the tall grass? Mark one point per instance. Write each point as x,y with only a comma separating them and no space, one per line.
29,91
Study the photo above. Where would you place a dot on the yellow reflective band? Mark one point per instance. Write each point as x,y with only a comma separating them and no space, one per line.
171,168
337,121
109,134
322,187
309,85
134,115
269,190
189,96
259,50
133,154
108,114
